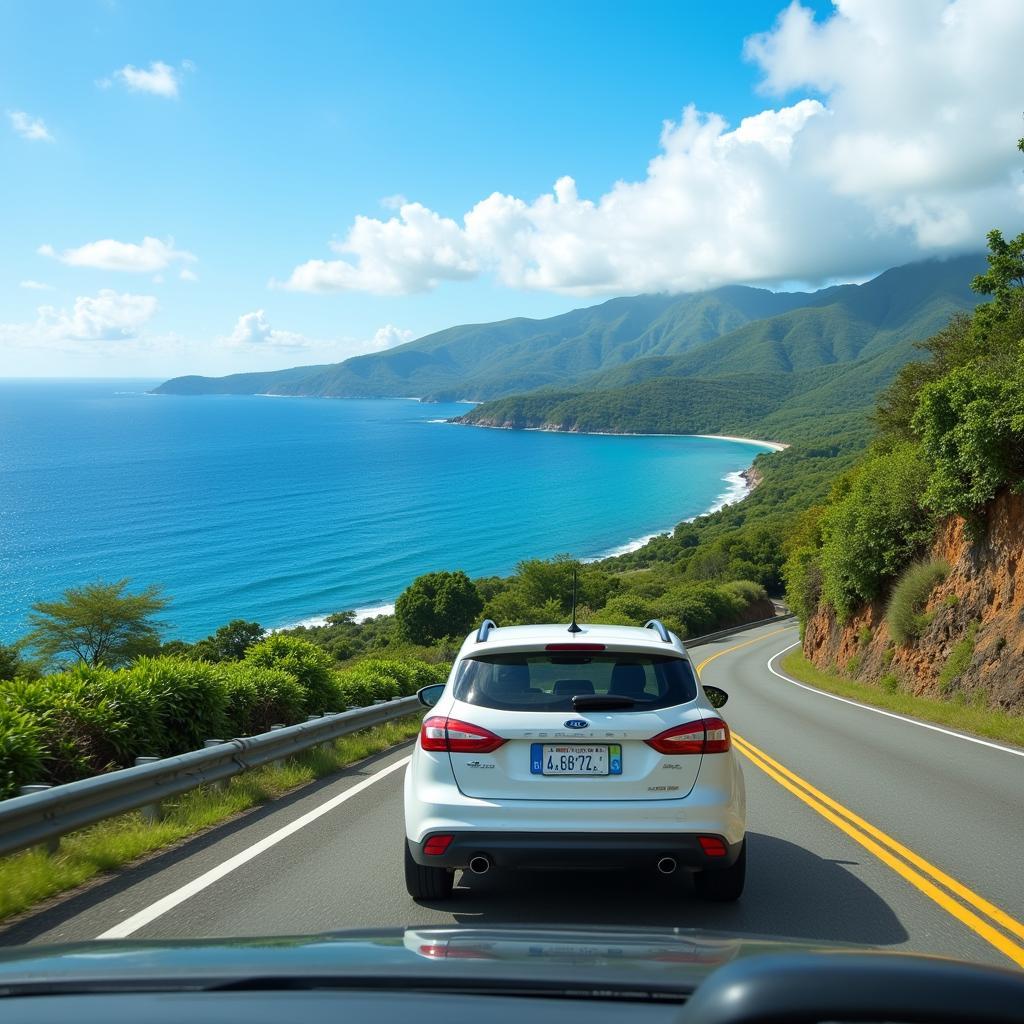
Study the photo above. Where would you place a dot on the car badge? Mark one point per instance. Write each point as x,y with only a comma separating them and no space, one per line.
577,723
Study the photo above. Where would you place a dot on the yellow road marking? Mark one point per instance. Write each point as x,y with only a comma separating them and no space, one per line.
875,841
746,643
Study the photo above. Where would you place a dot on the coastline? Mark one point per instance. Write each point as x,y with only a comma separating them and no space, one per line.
740,484
775,446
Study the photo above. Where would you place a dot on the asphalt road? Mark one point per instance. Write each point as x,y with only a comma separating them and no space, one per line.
863,828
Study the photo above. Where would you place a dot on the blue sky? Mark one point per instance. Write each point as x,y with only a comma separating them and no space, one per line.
244,139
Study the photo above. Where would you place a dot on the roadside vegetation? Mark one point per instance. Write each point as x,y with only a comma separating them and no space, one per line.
958,713
31,876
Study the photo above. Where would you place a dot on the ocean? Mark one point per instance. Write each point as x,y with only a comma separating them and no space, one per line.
283,510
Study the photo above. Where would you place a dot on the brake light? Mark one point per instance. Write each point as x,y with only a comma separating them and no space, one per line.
712,846
453,736
436,845
574,647
710,736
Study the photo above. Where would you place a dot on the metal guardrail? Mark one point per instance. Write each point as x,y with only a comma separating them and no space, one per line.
41,818
708,638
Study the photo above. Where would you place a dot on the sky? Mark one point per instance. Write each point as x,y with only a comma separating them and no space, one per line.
211,188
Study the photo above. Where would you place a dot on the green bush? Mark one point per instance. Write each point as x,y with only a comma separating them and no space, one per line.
802,573
310,665
258,698
190,701
21,750
872,531
904,613
959,659
386,678
889,682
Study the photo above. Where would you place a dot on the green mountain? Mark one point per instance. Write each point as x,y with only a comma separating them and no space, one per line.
746,352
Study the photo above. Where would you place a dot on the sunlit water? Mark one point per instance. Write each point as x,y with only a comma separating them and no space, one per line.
281,510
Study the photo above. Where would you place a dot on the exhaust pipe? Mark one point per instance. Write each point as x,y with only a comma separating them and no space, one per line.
667,865
480,864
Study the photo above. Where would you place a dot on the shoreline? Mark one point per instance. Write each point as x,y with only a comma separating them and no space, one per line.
740,484
775,446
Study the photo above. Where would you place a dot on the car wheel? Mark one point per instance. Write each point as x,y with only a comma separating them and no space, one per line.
724,885
425,883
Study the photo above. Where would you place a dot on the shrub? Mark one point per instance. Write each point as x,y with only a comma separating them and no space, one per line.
802,573
875,528
889,682
259,697
21,751
853,665
386,678
864,636
959,659
436,605
904,614
310,665
190,699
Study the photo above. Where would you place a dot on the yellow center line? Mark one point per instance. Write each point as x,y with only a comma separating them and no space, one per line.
885,848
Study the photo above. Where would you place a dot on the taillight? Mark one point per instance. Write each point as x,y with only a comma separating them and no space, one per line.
451,735
710,736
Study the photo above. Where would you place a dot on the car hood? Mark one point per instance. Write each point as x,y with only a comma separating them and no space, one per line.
667,960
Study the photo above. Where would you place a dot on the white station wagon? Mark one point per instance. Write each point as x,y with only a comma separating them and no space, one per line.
559,746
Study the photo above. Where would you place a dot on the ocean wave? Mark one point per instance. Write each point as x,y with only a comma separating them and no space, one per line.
737,490
362,614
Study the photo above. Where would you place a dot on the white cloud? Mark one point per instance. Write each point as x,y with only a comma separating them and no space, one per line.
159,78
28,127
188,275
35,286
903,146
389,336
395,202
151,256
108,316
253,329
253,332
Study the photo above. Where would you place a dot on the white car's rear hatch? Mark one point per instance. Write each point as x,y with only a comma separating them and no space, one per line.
574,724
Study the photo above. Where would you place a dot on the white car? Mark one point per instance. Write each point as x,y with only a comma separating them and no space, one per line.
553,748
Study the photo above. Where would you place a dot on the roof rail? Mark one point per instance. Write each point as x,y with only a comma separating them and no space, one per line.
659,626
485,627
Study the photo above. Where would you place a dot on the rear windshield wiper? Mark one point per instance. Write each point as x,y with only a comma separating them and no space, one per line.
601,702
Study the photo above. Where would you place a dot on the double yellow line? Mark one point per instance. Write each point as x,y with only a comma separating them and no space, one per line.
977,913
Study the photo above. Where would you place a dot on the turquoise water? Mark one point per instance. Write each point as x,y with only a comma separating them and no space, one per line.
281,510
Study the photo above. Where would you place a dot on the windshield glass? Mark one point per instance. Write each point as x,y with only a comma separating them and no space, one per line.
548,681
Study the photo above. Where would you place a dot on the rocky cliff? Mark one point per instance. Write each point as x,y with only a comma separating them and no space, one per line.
973,620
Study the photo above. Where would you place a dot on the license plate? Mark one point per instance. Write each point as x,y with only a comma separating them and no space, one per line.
575,759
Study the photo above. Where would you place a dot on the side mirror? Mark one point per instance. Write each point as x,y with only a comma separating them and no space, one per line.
716,696
430,695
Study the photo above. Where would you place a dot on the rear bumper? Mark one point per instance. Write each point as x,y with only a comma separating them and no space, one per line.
575,849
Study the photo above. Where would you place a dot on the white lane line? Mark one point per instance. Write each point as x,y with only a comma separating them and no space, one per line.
888,714
169,902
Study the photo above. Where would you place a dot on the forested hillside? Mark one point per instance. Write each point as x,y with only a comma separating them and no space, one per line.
731,330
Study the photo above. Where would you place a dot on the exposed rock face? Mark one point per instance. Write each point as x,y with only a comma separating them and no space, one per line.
984,589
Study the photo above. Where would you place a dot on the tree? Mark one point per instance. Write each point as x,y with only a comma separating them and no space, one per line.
99,624
10,662
437,605
230,642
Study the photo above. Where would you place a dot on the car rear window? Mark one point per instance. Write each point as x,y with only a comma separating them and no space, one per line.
544,681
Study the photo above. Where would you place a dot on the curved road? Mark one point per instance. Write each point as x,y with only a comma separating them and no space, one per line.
863,827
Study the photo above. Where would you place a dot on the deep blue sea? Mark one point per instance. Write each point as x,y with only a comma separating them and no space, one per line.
285,509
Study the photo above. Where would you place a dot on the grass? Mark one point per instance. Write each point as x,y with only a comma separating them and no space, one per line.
981,721
959,659
31,876
904,613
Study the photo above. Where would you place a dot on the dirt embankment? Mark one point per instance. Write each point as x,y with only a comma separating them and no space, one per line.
974,616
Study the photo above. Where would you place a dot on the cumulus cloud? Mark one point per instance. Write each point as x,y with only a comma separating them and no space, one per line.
389,336
35,286
153,255
253,332
902,146
28,127
188,275
107,316
159,79
253,329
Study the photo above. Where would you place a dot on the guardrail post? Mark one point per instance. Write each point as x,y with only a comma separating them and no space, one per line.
220,783
277,762
51,845
151,813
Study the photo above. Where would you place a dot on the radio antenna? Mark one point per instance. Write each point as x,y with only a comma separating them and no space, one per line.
573,626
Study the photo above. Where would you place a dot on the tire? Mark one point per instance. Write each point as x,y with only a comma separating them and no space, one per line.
424,883
724,885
